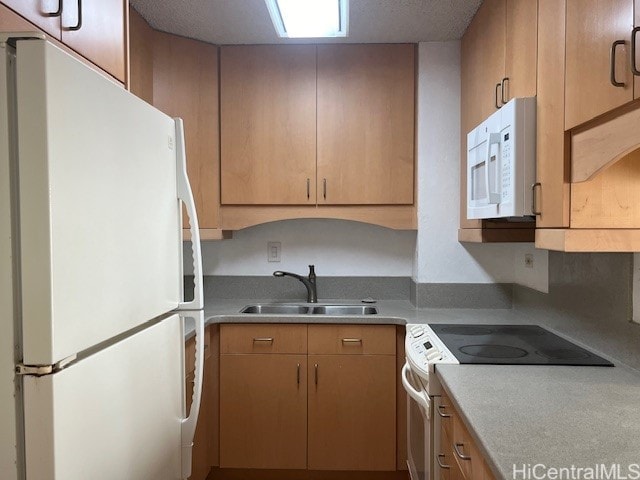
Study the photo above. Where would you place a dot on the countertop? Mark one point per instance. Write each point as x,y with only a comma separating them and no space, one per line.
555,416
551,415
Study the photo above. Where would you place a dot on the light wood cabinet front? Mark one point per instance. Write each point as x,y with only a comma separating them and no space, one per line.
263,411
592,27
352,412
101,37
268,128
365,124
521,53
185,85
40,13
459,455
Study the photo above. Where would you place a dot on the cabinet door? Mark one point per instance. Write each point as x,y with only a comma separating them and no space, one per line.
141,40
636,23
352,412
268,124
521,51
366,124
489,32
552,166
592,27
101,37
263,411
36,11
482,68
185,85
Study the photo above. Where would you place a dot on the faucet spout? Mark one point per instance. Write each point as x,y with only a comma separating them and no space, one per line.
309,282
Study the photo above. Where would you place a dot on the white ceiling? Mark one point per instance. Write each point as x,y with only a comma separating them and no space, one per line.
370,21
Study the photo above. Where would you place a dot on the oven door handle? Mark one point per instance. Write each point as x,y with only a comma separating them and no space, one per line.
419,397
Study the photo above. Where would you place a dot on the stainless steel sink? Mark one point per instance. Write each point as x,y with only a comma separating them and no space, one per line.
278,309
295,309
344,310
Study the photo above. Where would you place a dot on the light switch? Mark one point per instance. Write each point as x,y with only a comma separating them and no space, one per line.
273,251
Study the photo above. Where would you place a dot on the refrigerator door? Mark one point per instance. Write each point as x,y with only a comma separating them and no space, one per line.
116,414
100,233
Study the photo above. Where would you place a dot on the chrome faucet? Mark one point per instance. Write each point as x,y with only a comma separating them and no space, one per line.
309,282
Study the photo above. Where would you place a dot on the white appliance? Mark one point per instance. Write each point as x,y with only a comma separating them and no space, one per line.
501,162
92,182
423,350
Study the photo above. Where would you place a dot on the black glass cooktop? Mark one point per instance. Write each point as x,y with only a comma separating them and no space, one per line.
513,345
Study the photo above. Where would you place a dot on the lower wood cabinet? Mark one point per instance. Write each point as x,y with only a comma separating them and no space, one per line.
317,397
263,411
352,414
459,456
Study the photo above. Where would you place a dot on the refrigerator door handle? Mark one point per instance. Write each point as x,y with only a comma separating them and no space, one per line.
189,423
186,197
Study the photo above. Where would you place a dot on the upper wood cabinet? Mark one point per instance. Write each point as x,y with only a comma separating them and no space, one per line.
43,14
325,125
96,30
520,49
365,124
185,85
268,129
499,53
595,83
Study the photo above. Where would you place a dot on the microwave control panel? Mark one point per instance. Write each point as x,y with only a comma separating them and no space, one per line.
506,165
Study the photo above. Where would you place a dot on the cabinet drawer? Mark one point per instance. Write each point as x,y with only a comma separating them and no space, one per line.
446,412
352,339
190,351
263,338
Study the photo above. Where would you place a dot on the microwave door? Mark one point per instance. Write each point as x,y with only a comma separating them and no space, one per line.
483,172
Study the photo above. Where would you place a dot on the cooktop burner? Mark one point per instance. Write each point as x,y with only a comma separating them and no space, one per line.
512,345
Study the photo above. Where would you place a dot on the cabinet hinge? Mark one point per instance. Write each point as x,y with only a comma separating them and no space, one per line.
42,370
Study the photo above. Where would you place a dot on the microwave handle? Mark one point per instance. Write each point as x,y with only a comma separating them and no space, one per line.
493,198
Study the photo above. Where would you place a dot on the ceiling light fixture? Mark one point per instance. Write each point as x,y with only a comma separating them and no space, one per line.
309,18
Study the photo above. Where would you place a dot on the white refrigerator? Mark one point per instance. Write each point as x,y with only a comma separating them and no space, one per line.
92,186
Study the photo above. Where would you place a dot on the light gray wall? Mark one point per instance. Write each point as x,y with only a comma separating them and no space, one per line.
338,248
589,299
440,258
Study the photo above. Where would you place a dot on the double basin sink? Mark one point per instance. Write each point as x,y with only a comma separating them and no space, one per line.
297,309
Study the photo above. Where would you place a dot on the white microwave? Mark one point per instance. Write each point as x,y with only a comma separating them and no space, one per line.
501,162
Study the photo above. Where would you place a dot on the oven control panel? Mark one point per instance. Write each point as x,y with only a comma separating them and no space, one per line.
424,349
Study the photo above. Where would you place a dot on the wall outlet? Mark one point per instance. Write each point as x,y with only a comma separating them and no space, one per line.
528,260
273,251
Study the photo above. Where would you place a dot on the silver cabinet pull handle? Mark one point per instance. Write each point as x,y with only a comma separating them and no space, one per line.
442,465
634,67
308,188
498,85
298,374
504,83
612,58
57,13
316,373
534,203
78,25
462,456
351,340
324,188
443,415
263,339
